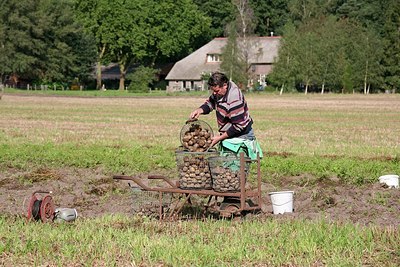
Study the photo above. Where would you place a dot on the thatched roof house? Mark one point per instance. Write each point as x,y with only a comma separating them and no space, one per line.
186,74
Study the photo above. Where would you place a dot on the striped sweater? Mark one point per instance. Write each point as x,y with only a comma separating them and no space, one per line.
232,112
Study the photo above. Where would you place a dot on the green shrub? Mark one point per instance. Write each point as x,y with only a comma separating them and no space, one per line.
141,79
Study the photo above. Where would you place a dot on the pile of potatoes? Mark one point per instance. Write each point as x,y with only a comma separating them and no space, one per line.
194,172
196,138
225,180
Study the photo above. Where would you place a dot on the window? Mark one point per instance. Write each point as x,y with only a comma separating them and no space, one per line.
213,58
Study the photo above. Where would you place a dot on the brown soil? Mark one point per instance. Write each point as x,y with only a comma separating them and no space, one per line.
93,193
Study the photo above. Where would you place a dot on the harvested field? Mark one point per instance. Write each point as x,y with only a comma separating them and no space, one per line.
354,126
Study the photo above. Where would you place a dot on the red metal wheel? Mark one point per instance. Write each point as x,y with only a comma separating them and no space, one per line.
47,209
30,207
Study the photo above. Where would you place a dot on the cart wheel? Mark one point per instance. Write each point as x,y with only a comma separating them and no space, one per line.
229,211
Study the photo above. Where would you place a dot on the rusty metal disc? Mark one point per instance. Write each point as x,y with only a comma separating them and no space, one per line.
31,207
47,209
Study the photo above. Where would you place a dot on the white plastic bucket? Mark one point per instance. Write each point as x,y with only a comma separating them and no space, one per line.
391,180
282,201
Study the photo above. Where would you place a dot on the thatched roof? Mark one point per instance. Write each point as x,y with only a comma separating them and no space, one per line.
262,50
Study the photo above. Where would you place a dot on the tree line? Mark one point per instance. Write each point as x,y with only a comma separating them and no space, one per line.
336,45
351,47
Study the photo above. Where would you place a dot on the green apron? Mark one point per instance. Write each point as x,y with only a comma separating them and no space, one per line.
238,145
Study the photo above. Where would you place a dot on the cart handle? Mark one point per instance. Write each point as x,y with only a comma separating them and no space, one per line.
162,177
139,182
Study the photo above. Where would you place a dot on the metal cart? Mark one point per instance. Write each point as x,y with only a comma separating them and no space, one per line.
233,203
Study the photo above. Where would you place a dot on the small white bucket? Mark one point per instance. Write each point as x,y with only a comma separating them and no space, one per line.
282,201
391,180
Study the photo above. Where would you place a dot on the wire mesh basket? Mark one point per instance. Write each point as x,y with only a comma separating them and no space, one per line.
225,173
147,203
196,135
193,168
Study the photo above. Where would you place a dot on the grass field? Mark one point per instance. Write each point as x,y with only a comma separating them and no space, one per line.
354,138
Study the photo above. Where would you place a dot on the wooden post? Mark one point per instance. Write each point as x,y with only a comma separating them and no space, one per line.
259,179
242,181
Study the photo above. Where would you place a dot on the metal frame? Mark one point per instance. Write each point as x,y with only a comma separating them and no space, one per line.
229,210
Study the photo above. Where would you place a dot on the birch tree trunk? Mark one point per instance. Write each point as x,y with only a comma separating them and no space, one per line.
98,75
98,68
365,77
122,69
306,90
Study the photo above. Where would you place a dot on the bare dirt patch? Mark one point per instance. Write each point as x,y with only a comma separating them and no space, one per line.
331,200
94,193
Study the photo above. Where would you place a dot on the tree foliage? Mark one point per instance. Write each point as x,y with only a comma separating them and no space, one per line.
339,54
42,41
326,45
236,54
141,79
270,15
141,31
234,64
391,35
222,13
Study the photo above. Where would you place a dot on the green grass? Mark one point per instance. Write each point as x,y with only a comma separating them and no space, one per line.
120,241
139,158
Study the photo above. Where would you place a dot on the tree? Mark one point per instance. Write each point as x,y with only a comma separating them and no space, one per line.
39,41
340,53
233,63
69,52
92,14
328,33
270,16
302,11
368,50
391,44
20,46
236,54
286,65
140,31
141,78
368,13
176,28
222,13
5,47
306,56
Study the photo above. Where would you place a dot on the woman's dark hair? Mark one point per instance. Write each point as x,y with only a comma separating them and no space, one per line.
217,79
